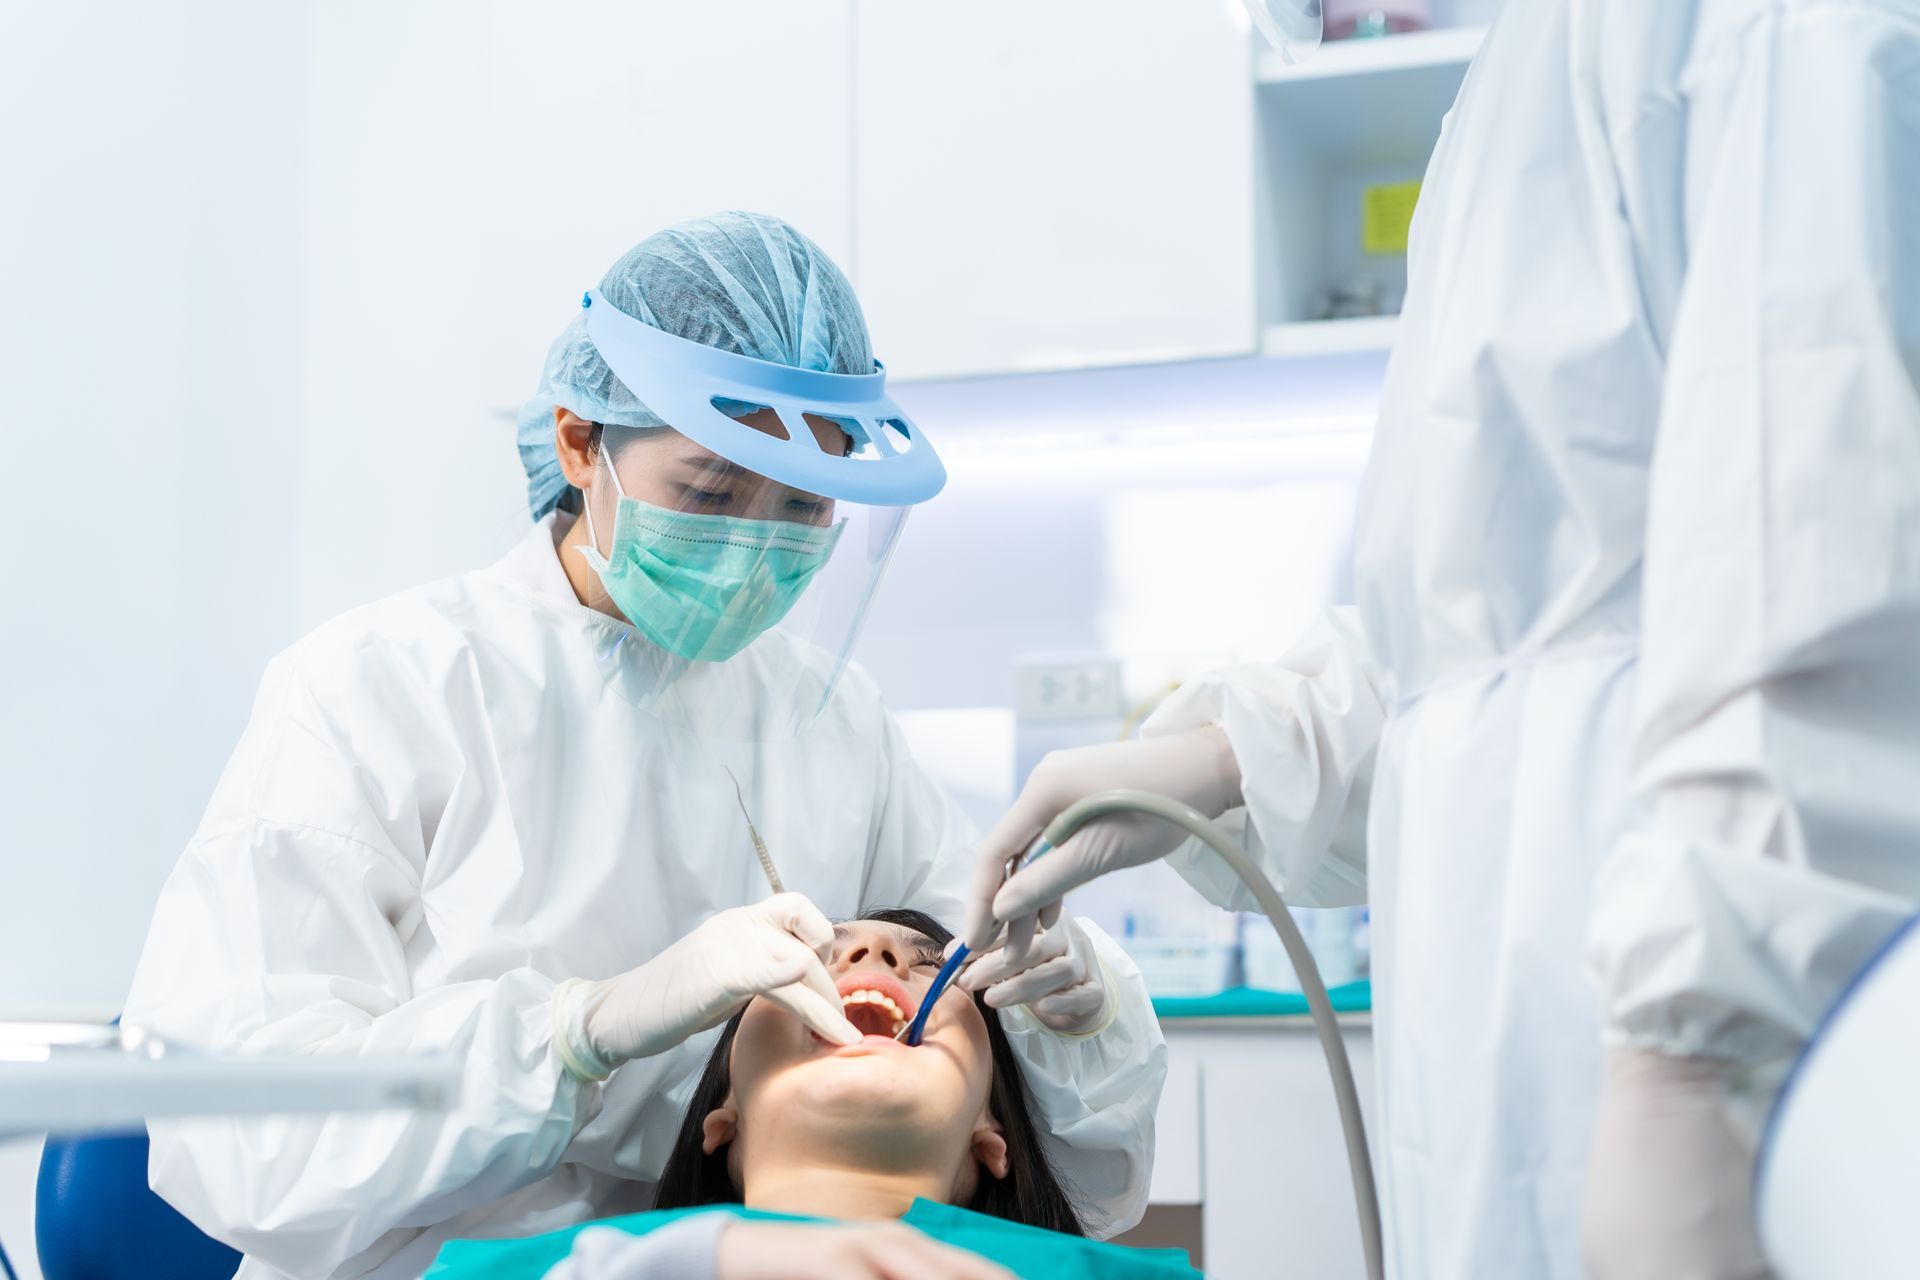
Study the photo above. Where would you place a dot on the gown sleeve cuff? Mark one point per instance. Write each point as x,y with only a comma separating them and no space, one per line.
1304,730
1704,950
1109,1008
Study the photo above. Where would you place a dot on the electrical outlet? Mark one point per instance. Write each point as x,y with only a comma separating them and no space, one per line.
1069,688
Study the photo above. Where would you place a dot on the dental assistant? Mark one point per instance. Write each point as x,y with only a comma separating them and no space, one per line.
506,816
1620,741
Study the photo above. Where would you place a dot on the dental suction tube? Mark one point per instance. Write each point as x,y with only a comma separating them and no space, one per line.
1346,1097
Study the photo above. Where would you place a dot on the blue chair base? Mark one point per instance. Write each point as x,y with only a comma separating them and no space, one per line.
95,1218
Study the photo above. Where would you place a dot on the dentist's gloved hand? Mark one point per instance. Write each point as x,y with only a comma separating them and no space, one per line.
1195,766
1669,1181
1058,976
777,949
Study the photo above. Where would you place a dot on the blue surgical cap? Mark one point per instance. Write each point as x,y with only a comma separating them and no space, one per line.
742,282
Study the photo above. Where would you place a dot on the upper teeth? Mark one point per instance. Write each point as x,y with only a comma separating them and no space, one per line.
864,996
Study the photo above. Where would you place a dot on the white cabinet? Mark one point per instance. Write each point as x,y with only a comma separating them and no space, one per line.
1274,1188
613,119
1043,186
1178,1177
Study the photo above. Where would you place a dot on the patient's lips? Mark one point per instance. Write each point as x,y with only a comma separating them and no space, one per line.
876,1002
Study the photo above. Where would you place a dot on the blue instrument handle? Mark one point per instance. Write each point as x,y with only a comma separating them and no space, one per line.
940,980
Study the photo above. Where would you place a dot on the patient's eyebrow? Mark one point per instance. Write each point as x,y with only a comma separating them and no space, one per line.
908,937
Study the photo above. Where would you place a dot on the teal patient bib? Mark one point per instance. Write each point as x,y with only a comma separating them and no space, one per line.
1030,1252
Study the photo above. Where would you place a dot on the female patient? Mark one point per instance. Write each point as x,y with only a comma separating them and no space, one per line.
798,1158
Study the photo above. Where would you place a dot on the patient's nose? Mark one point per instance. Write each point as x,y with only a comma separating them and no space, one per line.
876,947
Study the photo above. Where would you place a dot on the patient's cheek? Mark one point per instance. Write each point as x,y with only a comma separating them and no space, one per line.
760,1047
972,1048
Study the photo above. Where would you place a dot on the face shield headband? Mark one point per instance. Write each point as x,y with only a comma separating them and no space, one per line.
701,392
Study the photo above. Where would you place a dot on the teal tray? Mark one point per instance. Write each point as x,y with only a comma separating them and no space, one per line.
1246,1002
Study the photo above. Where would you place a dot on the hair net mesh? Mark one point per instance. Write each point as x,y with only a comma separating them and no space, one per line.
742,282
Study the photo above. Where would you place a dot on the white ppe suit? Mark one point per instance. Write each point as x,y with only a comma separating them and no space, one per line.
1635,672
443,806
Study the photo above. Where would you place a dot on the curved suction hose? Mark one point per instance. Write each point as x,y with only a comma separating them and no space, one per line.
1352,1125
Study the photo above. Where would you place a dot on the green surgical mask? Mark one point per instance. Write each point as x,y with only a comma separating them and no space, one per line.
703,586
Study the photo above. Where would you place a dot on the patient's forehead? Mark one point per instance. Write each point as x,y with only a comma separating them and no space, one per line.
901,933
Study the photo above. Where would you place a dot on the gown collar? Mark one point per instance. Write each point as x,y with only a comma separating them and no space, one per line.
534,562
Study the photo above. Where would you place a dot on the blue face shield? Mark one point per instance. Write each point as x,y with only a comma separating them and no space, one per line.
745,540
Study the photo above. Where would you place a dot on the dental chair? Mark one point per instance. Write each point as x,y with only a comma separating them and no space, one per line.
95,1218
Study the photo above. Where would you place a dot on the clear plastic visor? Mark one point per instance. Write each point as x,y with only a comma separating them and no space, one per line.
744,595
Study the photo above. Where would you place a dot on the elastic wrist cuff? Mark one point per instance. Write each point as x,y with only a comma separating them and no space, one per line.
570,1043
1109,1008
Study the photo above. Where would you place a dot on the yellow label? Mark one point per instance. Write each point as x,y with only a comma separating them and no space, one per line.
1386,213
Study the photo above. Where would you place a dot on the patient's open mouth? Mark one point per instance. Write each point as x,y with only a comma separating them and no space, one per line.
876,1002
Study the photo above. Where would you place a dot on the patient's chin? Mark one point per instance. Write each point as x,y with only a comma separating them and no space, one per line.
875,1091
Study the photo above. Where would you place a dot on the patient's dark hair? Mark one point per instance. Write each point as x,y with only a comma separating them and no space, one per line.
1031,1193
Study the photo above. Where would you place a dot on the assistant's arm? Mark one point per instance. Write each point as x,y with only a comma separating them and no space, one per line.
1303,730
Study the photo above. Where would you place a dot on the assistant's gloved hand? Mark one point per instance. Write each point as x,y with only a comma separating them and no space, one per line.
1195,766
777,949
1669,1184
1058,976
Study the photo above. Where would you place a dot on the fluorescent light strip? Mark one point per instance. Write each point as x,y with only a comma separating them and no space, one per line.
1002,444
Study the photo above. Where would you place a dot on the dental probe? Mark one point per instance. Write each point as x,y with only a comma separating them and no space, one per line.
913,1030
759,845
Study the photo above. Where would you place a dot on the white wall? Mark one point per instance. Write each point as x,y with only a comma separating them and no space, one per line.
474,168
19,1166
149,362
150,329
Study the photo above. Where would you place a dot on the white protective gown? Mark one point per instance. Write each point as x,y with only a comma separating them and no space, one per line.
442,807
1636,667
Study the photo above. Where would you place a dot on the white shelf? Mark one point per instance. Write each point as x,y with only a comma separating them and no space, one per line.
1329,337
1370,102
1360,114
1423,50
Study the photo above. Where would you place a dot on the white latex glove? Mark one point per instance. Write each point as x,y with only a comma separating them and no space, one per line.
864,1251
1195,766
1669,1184
710,1246
1059,977
778,949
